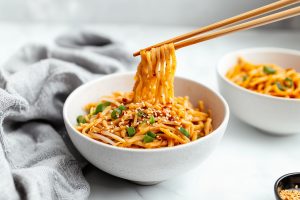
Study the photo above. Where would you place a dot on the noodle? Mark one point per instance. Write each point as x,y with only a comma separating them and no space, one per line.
149,116
266,79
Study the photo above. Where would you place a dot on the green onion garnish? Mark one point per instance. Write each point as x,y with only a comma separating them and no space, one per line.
107,103
151,134
152,120
184,131
269,70
101,106
148,138
122,107
80,119
280,87
245,78
115,113
289,82
130,131
140,113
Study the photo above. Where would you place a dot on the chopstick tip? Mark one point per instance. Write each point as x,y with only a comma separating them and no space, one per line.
136,54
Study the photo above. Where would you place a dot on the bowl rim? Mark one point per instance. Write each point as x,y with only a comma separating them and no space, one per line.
280,179
257,50
174,148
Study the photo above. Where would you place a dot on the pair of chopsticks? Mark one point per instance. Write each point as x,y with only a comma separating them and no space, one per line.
189,39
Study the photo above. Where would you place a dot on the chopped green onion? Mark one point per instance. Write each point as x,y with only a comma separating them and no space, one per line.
280,87
101,106
184,131
107,103
122,107
152,120
141,113
115,113
245,78
289,81
151,134
148,138
130,131
269,70
80,119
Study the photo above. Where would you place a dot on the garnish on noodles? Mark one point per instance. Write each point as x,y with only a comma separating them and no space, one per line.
268,79
149,116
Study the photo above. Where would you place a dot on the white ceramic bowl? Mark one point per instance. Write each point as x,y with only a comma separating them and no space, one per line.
144,166
271,114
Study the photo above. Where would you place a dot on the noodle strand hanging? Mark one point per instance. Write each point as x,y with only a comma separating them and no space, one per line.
149,116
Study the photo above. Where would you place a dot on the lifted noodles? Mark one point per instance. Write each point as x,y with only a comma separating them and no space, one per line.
149,116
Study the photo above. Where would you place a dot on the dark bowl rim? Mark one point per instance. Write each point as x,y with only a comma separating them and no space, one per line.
280,179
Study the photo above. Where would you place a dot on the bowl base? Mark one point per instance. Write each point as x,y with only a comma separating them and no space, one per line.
274,133
146,183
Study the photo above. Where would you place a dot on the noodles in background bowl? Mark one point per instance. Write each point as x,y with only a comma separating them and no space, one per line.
149,116
267,79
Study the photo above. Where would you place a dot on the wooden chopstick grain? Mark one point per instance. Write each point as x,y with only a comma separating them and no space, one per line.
244,26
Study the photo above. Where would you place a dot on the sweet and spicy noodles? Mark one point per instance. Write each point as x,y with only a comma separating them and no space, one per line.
149,116
267,79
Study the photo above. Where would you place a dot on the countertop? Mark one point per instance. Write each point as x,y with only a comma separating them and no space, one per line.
246,163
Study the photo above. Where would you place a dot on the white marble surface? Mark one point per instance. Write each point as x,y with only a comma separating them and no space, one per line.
246,163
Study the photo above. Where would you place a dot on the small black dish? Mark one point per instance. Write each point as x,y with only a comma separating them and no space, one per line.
287,181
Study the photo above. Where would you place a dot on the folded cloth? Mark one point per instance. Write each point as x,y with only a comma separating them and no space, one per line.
37,160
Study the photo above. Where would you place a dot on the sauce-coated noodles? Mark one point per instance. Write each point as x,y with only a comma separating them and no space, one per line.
267,79
155,75
149,116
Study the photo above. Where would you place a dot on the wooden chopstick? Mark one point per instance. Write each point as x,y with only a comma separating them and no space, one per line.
244,26
247,15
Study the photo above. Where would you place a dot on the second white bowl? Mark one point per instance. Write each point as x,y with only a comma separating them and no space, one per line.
272,114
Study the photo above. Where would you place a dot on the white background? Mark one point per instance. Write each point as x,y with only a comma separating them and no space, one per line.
154,12
247,162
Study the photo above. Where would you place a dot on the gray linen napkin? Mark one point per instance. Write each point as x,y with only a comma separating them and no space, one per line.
37,160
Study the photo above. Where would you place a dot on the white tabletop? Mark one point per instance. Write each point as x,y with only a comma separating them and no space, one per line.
246,163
